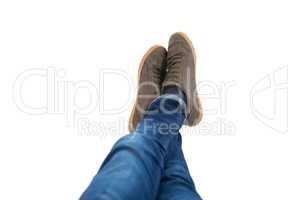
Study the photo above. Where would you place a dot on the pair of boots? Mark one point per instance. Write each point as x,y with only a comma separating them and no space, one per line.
161,68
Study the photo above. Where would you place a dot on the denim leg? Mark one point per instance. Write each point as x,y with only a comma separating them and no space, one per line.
176,182
134,167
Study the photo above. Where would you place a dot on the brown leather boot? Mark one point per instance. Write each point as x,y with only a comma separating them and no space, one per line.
151,73
181,72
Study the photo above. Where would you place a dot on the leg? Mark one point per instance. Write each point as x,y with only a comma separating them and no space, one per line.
134,167
176,183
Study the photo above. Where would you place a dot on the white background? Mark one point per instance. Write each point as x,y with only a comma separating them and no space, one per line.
240,41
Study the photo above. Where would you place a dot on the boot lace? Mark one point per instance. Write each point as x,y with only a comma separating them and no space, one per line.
173,67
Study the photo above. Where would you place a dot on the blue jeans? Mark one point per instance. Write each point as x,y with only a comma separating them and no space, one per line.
147,164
